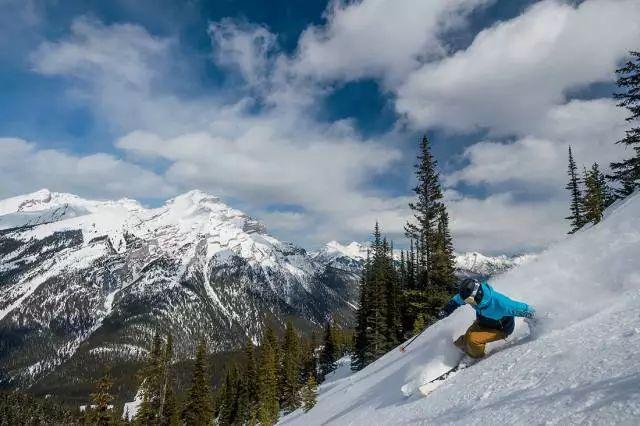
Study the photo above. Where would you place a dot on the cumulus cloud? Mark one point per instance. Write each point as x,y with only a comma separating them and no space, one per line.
244,47
279,155
25,167
515,71
377,38
124,74
265,165
534,168
502,223
264,145
120,52
513,81
539,161
324,174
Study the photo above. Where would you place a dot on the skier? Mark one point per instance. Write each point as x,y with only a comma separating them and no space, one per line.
495,314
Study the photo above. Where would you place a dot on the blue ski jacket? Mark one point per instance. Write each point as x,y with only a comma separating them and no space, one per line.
495,310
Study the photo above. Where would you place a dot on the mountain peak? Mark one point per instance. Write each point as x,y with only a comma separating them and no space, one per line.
354,249
196,196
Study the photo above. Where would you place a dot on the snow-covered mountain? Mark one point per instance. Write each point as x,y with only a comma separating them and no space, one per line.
82,278
581,365
477,264
352,256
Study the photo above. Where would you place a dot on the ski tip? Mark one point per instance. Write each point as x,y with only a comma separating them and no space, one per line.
407,390
427,388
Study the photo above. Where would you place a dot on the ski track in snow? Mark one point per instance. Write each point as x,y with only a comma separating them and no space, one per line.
582,366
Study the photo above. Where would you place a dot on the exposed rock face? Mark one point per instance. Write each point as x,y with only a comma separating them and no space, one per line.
82,279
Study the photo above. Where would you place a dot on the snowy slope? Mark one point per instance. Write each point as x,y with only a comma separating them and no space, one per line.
582,366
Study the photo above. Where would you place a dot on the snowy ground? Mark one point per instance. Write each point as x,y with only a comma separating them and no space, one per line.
582,366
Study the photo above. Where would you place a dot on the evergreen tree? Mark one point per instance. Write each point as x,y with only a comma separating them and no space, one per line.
575,204
228,414
328,356
443,265
379,325
392,304
594,201
377,320
627,172
361,356
309,394
402,289
268,408
168,405
411,268
248,399
409,292
102,410
198,408
402,271
310,359
291,369
426,209
419,324
152,385
434,262
170,412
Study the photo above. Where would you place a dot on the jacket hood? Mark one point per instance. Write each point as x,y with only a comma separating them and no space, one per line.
487,295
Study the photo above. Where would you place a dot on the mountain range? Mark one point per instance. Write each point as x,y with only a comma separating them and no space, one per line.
83,281
471,264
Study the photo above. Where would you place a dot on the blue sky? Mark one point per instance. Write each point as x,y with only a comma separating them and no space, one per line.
308,114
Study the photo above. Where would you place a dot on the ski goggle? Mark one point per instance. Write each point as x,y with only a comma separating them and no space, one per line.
472,297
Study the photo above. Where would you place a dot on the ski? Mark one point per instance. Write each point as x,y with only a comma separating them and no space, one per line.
432,385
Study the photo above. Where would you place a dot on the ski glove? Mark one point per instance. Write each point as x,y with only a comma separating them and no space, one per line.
448,309
530,313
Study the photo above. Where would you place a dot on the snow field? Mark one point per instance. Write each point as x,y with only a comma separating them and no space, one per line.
582,366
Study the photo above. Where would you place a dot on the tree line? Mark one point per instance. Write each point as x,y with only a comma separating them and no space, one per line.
401,296
279,375
590,191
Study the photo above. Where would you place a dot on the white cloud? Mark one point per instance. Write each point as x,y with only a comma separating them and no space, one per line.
279,155
124,74
267,164
501,223
377,38
535,167
121,52
244,47
513,80
25,167
515,71
590,127
324,174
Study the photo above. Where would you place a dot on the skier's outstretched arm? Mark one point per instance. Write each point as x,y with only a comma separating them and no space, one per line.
520,309
453,304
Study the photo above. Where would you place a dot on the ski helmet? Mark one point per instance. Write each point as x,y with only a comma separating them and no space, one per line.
471,289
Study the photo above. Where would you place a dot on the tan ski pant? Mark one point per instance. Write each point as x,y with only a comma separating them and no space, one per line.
473,342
